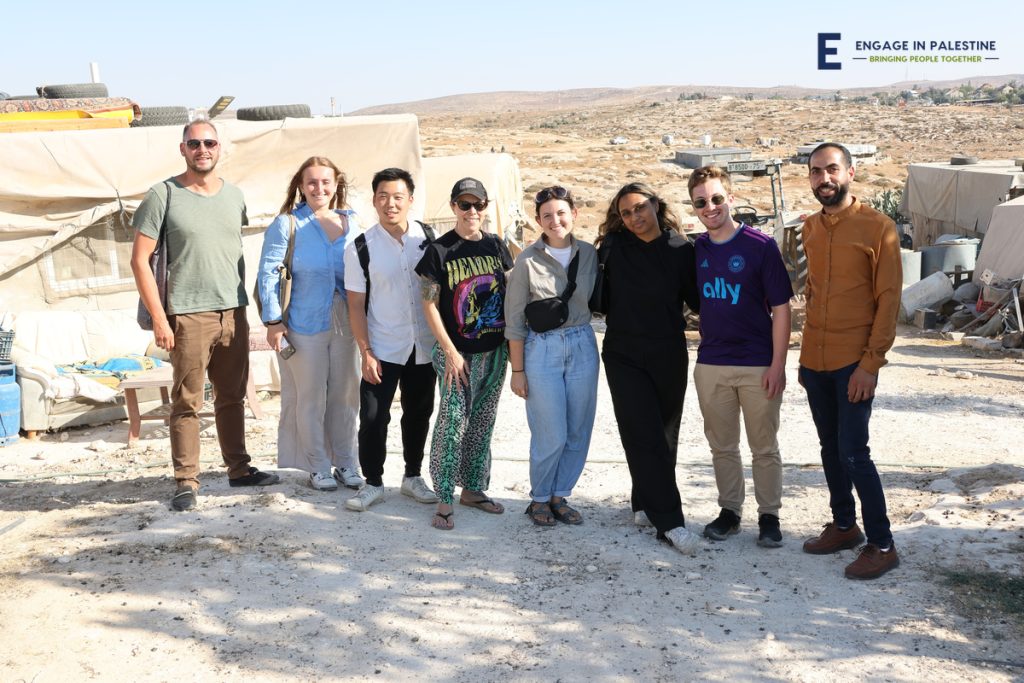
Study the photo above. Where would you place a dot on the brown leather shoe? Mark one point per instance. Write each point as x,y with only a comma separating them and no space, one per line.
832,539
872,562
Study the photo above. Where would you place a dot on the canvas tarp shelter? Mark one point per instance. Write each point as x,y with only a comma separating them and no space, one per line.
942,199
63,238
500,175
1002,250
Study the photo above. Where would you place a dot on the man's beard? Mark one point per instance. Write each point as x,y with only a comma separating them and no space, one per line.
838,195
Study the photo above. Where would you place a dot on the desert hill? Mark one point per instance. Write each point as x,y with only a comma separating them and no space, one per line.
603,97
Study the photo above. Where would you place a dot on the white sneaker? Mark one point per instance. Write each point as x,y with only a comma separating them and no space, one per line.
684,540
640,518
417,489
349,478
366,497
322,481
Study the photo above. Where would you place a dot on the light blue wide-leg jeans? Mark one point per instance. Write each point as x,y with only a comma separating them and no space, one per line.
561,373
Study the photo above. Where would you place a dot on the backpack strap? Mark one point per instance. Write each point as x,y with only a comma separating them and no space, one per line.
428,231
363,252
162,236
290,251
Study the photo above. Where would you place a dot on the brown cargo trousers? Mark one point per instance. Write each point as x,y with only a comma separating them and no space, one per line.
214,344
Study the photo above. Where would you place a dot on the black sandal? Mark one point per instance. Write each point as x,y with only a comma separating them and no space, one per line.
565,514
540,514
446,517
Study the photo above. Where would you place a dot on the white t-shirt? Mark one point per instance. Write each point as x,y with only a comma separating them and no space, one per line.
560,255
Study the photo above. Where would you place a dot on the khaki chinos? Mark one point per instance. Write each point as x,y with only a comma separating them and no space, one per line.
723,391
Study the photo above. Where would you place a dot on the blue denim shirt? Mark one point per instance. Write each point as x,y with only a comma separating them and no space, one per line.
318,270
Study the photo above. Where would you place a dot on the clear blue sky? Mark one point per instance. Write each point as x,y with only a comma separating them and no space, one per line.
367,53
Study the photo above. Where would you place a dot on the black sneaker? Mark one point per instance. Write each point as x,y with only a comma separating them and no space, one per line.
728,523
770,535
255,478
184,499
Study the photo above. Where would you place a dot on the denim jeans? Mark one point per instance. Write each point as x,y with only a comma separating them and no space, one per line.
561,373
845,455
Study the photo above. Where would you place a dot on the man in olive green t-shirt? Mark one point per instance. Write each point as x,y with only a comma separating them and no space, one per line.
203,328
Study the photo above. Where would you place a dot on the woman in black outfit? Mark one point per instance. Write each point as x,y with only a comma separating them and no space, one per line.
650,272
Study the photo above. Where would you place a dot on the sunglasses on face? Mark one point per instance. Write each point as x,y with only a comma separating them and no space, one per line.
466,206
701,202
207,143
626,214
549,193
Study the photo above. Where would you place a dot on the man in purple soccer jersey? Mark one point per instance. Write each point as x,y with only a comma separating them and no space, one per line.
741,362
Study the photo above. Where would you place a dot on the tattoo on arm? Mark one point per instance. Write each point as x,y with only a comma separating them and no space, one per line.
430,290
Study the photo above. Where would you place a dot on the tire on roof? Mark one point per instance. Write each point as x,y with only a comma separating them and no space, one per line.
962,160
70,90
161,116
274,112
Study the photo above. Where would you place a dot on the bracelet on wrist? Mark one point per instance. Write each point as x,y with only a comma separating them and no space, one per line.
519,371
273,322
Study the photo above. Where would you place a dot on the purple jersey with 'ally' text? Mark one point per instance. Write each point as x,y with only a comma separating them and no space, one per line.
739,281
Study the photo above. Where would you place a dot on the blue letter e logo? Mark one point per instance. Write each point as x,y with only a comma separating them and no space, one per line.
824,51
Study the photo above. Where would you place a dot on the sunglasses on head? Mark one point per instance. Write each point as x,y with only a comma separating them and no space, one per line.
207,143
549,193
701,202
466,206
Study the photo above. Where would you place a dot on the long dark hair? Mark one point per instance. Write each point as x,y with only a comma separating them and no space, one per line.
294,196
667,218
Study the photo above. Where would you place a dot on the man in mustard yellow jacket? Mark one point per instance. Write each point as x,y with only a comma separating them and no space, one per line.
853,296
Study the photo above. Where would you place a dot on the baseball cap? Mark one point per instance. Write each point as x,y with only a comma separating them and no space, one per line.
470,186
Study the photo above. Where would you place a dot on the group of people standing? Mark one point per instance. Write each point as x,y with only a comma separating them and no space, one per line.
397,307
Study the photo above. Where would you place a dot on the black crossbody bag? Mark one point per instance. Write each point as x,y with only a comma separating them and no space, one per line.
547,314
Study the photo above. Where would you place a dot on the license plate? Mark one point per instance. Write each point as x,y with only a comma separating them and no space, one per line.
743,166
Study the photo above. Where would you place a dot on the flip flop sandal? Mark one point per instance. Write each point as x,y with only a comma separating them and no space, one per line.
485,504
565,514
447,518
540,514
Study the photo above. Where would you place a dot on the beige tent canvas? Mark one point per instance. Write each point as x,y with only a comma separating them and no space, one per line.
1002,250
942,199
67,196
500,175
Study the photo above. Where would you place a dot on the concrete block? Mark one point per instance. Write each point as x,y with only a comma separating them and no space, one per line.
982,343
925,318
696,158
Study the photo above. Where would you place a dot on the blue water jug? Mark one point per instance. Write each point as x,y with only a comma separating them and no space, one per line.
10,404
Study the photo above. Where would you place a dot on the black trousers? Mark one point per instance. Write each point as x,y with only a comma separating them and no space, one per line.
647,380
417,384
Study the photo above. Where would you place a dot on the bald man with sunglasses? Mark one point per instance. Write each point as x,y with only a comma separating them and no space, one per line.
741,362
202,323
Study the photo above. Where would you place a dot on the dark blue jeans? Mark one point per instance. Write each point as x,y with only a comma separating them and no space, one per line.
845,456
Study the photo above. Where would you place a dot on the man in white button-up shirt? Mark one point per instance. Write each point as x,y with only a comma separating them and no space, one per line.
393,338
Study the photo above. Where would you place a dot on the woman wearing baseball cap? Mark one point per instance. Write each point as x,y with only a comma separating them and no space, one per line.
463,276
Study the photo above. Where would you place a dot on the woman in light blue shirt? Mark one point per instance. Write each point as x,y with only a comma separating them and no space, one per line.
320,372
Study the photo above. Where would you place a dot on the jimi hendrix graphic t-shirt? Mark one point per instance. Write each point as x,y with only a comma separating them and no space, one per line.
471,275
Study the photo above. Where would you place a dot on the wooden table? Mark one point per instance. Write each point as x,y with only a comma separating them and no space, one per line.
162,378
